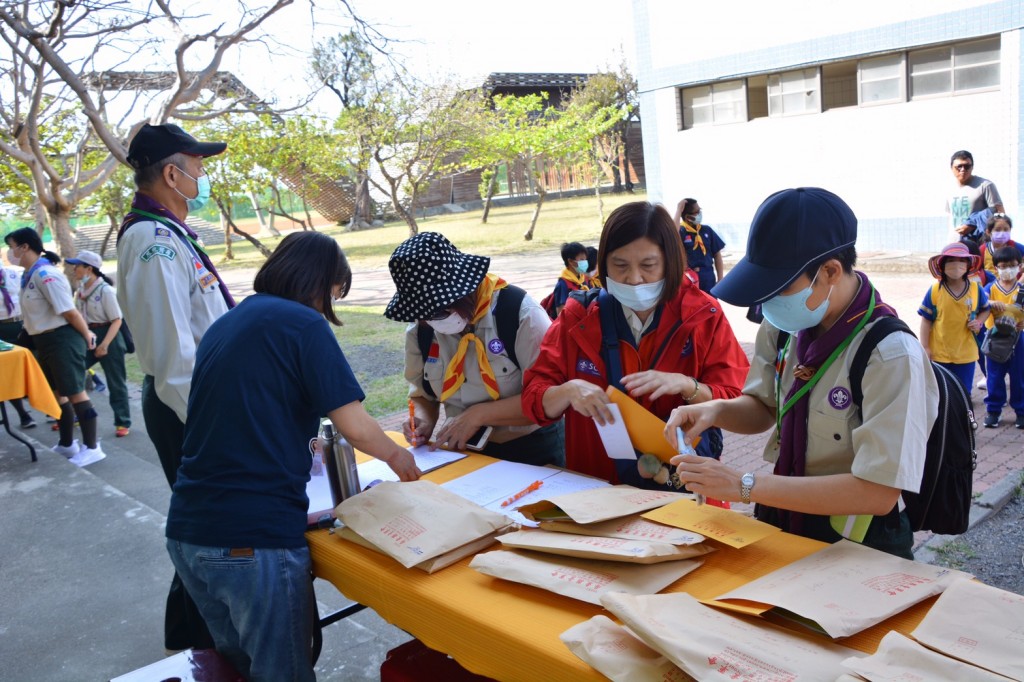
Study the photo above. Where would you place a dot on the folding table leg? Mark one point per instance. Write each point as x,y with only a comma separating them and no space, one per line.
7,425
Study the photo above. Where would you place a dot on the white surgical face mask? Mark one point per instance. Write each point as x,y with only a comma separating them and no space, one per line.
11,258
639,297
1008,274
453,324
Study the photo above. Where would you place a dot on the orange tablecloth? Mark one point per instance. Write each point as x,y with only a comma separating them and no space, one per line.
20,375
510,631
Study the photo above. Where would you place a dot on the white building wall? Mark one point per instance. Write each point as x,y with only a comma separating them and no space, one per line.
889,162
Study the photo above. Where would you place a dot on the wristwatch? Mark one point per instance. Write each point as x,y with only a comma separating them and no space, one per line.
746,485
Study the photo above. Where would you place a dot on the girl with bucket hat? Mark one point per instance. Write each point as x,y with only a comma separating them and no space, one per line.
97,301
953,310
650,332
471,339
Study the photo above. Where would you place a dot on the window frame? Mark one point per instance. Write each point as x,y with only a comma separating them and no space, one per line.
900,98
686,112
781,95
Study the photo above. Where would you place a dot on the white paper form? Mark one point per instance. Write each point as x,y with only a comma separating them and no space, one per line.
426,460
318,490
495,483
614,436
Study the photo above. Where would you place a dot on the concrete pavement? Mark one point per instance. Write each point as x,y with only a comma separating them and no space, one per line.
85,573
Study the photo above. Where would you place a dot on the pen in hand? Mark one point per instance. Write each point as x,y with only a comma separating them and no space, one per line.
523,493
413,438
684,449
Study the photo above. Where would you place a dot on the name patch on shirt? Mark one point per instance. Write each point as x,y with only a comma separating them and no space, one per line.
584,366
158,250
207,279
434,352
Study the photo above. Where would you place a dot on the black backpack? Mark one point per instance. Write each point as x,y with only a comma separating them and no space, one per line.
506,320
944,503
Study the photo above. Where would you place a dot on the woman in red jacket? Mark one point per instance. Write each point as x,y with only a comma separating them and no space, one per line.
674,344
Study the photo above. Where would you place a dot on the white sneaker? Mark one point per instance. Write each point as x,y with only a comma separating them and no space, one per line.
983,383
68,451
87,456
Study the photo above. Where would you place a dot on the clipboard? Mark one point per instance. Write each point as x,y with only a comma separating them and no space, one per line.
645,430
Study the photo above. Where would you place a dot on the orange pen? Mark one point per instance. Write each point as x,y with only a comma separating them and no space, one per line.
413,440
522,493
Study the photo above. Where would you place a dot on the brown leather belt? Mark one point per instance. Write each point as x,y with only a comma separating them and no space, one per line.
16,318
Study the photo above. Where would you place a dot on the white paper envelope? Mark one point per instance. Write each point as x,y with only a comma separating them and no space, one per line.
602,549
900,658
618,654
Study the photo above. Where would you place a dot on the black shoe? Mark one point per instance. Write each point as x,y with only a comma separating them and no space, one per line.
27,422
992,420
1020,421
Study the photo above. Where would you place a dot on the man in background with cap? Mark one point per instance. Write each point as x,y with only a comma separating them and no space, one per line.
838,471
170,294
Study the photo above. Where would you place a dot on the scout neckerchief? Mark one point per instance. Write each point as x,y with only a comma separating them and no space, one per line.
454,374
27,275
84,294
577,278
147,208
817,353
8,301
697,241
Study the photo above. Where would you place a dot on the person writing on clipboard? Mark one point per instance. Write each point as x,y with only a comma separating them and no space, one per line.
471,339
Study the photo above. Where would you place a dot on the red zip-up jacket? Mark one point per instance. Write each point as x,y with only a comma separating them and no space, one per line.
695,339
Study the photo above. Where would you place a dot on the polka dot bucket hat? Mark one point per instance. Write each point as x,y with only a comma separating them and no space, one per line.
430,274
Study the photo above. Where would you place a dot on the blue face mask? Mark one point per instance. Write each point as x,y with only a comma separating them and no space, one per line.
791,314
582,266
202,194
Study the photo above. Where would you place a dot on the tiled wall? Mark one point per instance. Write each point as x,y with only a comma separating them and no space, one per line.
890,162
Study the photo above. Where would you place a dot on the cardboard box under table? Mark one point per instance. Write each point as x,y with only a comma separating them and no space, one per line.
509,631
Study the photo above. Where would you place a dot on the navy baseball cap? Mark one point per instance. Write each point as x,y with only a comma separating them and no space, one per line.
155,143
791,229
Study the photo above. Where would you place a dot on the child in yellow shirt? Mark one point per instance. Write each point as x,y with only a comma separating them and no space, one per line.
1004,294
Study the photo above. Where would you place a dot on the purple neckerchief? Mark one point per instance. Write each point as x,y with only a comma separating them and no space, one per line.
811,352
8,301
148,204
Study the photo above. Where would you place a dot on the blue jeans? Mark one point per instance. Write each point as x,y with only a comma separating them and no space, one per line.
257,603
997,373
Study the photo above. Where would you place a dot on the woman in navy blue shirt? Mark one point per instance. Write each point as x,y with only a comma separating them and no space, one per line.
265,373
703,246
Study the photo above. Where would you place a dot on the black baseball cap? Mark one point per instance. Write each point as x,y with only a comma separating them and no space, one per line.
156,143
791,229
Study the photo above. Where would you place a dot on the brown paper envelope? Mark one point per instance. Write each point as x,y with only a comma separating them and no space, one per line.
646,431
618,654
901,658
980,624
439,562
602,504
633,527
581,579
601,549
724,525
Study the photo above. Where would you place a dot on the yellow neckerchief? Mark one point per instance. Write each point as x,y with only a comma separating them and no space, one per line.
454,374
697,241
577,278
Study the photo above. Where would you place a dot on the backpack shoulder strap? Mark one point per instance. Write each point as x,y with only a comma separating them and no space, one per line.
424,337
609,340
506,318
872,337
1020,295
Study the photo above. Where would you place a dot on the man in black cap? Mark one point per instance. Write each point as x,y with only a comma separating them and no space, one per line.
170,294
838,471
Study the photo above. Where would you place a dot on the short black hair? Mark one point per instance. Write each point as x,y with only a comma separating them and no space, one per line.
688,203
847,258
147,175
592,257
1007,254
570,250
304,268
27,236
961,154
638,219
991,222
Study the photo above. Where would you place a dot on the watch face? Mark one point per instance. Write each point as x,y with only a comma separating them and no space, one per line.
747,480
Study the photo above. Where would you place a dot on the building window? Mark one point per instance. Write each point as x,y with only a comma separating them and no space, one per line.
954,69
714,104
882,80
794,92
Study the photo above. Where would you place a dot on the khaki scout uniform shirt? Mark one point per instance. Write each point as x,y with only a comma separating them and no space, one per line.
169,298
901,401
533,323
46,295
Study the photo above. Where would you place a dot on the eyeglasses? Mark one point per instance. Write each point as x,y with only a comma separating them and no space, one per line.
439,315
963,166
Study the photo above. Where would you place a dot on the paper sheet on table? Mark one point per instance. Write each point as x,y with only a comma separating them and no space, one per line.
377,470
900,658
615,437
318,490
710,644
729,527
845,588
977,623
495,483
646,431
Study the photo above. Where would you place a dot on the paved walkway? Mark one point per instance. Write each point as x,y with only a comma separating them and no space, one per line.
84,568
